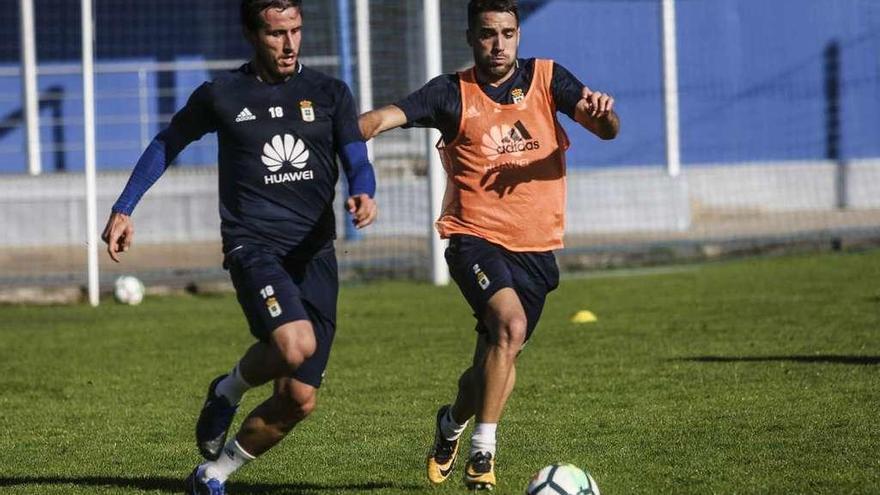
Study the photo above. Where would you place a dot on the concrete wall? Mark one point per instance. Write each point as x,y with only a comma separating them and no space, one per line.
182,206
50,210
778,187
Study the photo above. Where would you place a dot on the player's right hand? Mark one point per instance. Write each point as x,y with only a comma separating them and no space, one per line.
118,234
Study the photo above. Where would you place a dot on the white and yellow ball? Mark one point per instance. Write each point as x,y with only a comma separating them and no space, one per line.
562,479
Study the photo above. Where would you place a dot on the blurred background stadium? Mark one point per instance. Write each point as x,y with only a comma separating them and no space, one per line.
778,120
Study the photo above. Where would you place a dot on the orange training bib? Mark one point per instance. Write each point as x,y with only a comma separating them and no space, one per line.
506,167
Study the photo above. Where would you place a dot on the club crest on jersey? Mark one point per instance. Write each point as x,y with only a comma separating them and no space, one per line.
517,95
286,150
307,111
505,139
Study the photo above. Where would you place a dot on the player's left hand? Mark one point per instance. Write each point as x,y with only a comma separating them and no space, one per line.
599,104
118,234
363,209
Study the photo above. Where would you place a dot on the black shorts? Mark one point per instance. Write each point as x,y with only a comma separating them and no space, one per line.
481,269
274,291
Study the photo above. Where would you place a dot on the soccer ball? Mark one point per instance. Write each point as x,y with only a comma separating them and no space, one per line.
127,289
562,479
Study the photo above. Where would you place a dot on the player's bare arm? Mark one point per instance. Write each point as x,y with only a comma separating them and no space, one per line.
595,112
380,120
118,234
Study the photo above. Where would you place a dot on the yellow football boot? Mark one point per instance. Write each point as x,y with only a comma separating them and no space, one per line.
441,457
479,472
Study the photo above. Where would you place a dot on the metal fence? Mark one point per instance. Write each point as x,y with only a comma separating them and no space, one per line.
778,129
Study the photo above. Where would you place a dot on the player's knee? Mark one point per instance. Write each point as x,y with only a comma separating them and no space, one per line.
512,333
296,346
302,409
294,357
295,403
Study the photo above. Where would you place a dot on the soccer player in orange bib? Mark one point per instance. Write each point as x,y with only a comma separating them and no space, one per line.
504,209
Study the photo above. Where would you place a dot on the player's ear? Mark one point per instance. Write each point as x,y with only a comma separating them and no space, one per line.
469,36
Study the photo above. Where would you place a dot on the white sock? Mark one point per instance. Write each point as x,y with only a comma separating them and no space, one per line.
233,386
232,458
449,428
483,439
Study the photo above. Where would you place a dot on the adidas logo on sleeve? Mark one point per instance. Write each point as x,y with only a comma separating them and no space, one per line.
245,115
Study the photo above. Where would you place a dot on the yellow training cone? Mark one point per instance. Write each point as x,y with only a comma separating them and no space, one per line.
584,316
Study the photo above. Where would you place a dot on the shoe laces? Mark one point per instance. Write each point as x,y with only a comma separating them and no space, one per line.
443,449
481,462
211,486
215,487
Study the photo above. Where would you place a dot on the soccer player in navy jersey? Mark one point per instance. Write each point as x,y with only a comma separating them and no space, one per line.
280,127
503,213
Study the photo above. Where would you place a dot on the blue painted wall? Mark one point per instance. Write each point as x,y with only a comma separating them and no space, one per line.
117,113
751,75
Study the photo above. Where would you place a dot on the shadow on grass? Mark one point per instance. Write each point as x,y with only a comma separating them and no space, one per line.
174,485
818,358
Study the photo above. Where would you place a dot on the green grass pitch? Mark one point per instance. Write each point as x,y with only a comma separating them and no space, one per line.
756,376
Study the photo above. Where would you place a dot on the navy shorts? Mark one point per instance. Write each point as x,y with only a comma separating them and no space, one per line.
481,269
273,291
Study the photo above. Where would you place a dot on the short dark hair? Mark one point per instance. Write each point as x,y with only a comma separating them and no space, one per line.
477,7
251,10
